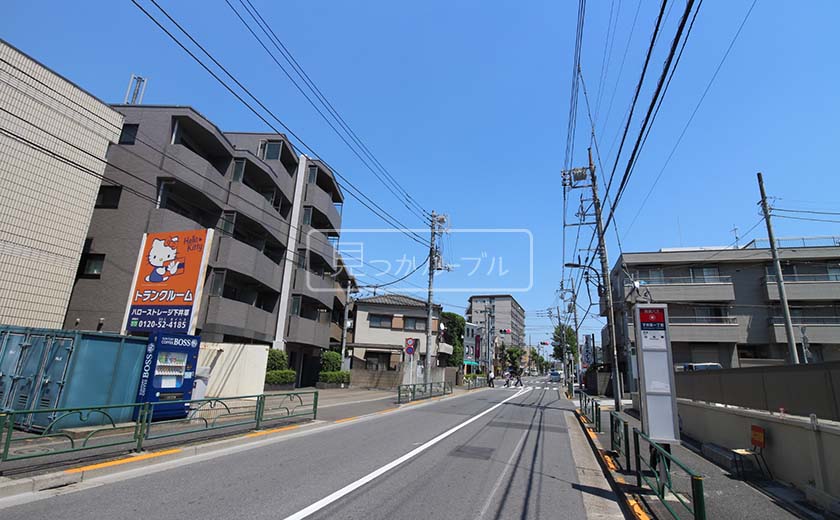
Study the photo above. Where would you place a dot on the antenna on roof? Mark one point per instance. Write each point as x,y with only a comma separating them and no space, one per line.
737,238
136,89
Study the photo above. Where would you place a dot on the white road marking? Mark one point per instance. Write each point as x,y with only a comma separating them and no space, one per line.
349,488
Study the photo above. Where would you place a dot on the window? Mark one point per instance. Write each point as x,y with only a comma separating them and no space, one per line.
271,150
709,314
313,174
93,265
706,274
650,275
238,170
380,321
301,258
307,215
108,197
227,222
834,273
217,286
128,134
415,324
294,310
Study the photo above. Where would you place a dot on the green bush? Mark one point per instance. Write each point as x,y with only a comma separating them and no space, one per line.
469,377
330,361
277,360
337,376
280,377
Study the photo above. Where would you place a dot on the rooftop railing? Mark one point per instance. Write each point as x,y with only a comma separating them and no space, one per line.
673,280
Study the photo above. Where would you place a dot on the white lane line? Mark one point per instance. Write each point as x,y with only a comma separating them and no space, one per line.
502,476
349,488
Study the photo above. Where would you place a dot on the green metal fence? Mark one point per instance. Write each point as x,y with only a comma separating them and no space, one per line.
620,437
664,474
88,428
591,409
407,393
476,382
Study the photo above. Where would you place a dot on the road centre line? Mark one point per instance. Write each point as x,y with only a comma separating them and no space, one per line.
329,499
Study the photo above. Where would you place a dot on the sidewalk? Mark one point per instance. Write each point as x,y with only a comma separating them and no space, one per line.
726,496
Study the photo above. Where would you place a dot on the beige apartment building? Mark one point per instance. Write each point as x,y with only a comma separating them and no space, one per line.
53,143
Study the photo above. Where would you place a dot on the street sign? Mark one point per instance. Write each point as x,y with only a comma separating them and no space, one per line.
410,345
656,373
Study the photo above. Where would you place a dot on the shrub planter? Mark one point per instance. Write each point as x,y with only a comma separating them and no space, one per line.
323,386
278,388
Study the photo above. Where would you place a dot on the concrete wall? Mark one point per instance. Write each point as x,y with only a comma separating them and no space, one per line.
382,379
239,368
46,204
799,389
802,454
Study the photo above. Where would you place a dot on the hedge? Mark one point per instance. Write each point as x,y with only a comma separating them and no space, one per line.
338,376
277,360
330,361
280,377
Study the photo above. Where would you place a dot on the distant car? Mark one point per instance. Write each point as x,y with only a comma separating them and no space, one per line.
554,376
535,372
692,367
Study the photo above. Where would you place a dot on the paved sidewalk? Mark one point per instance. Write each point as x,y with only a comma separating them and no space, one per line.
726,496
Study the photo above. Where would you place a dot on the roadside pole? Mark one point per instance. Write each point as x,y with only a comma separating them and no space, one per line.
345,363
605,274
577,334
780,281
432,265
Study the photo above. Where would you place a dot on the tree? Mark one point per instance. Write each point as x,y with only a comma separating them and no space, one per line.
514,356
453,333
570,341
330,361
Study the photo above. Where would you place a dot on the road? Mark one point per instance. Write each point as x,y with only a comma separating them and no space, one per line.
495,454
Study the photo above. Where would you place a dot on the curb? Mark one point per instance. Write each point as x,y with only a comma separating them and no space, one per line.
629,506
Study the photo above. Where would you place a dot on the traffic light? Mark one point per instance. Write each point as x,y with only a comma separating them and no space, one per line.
504,331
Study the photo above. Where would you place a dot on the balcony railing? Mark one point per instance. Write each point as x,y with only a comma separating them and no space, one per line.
697,320
807,320
821,277
673,280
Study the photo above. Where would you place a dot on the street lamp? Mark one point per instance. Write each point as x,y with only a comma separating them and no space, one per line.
572,265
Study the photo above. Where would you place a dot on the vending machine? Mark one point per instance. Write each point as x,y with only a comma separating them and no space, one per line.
168,374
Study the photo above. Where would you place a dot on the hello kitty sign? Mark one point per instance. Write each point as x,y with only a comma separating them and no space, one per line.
167,282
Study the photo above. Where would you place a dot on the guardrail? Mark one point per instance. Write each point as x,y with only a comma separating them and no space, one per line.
661,468
70,430
591,409
476,382
408,393
620,437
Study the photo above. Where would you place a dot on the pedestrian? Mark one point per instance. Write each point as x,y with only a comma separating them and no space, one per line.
490,379
518,378
507,379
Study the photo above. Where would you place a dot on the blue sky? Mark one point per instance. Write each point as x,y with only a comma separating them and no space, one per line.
466,103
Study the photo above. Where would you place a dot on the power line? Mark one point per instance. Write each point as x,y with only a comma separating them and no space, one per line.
328,107
810,219
691,118
810,212
380,212
649,116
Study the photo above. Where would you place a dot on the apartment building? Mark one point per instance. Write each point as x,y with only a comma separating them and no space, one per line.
505,312
724,302
172,169
53,143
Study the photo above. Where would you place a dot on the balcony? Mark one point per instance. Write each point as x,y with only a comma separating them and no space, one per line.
309,332
228,316
319,243
686,289
240,257
259,209
805,287
323,202
705,329
819,329
321,288
195,170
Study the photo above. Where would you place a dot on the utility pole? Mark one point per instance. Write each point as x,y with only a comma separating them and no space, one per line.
605,275
345,365
434,265
577,336
780,281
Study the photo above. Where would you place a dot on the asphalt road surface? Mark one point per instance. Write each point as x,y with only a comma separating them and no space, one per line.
496,453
